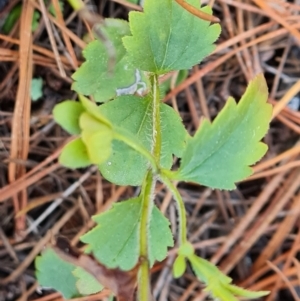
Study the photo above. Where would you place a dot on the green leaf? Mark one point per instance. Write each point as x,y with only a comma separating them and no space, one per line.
179,266
86,283
219,155
36,90
160,236
218,284
97,138
12,18
52,271
166,37
93,110
134,114
35,21
75,155
115,241
67,114
94,77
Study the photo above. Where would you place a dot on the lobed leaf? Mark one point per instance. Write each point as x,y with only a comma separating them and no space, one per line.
218,284
115,241
166,37
75,155
97,138
122,284
86,283
160,236
95,77
125,166
219,154
54,272
179,266
67,114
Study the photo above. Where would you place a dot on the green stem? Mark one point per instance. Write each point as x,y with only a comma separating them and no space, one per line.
148,194
180,204
156,133
147,202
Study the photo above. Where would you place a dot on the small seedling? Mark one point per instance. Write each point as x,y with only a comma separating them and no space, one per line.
133,139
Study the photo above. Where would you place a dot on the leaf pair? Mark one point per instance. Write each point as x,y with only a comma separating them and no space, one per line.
115,240
118,162
126,166
114,248
94,144
217,284
165,37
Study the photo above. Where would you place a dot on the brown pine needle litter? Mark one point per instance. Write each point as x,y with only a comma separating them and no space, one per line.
251,233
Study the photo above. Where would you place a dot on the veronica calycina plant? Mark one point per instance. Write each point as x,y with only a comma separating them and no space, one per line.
133,137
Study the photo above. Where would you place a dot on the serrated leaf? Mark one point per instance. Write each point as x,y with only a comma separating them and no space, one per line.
160,236
86,283
67,114
219,155
179,266
75,155
218,284
115,241
166,37
52,271
122,284
94,76
134,114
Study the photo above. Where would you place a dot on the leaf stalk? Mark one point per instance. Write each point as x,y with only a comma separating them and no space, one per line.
180,206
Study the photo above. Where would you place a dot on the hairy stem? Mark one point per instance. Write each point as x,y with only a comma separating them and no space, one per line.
180,204
156,133
147,201
148,195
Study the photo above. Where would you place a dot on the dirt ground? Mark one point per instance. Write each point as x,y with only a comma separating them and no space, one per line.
251,233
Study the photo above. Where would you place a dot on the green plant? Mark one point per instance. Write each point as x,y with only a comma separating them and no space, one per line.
15,14
134,138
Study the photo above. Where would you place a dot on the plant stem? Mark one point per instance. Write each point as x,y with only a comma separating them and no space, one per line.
156,133
147,202
148,195
180,204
